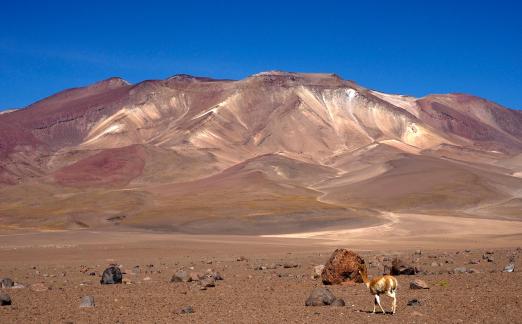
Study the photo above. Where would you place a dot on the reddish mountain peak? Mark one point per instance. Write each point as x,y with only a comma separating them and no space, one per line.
110,83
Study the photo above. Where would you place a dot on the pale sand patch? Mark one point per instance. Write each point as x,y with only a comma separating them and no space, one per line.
422,230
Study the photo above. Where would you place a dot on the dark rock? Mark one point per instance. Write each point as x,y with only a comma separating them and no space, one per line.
400,267
92,273
418,252
241,258
320,296
111,275
87,301
343,265
419,284
414,302
5,299
215,275
6,283
180,276
186,310
289,265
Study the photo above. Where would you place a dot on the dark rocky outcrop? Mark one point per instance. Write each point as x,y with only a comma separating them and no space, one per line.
111,275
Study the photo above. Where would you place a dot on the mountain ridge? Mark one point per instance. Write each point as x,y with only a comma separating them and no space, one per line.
301,141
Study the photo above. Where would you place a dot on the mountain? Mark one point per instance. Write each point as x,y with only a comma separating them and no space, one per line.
275,152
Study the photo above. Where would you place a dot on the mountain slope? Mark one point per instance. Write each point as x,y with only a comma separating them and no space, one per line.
306,150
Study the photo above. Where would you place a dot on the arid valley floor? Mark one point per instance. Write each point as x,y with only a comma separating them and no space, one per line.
65,261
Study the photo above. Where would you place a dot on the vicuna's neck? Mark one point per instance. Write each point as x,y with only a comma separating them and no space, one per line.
365,279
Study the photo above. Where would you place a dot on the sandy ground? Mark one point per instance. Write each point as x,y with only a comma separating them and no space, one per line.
60,259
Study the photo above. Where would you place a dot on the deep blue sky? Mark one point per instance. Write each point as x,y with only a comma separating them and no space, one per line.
408,47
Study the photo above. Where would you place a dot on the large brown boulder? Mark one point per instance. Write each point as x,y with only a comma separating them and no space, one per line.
342,266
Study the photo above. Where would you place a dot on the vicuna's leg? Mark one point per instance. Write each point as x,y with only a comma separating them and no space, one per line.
394,304
375,302
378,301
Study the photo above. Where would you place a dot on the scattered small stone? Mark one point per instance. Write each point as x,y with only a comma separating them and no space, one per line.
472,270
289,265
87,301
17,286
474,261
195,276
415,313
414,302
434,264
241,258
147,279
419,284
271,266
509,268
460,270
38,287
260,267
467,250
92,273
6,283
207,282
5,299
186,310
418,252
215,275
318,270
111,275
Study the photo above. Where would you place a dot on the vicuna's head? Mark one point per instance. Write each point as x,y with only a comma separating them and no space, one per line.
363,272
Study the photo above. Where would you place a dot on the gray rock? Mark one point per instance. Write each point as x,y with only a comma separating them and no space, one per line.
7,283
509,268
339,302
87,301
5,299
320,297
111,275
186,310
180,276
460,270
419,284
